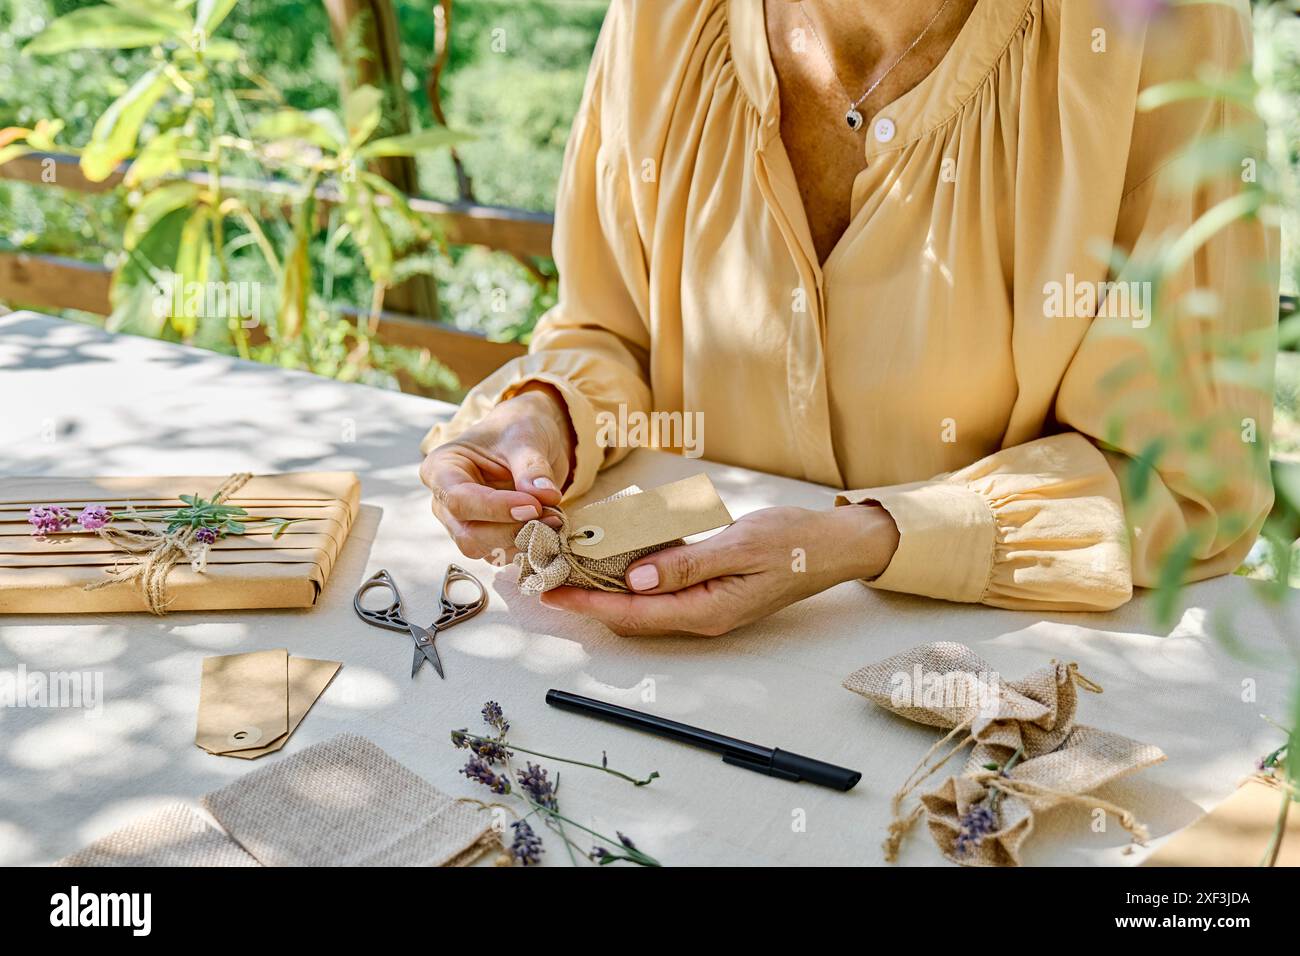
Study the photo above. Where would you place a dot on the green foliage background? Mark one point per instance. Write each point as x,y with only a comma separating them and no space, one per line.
519,101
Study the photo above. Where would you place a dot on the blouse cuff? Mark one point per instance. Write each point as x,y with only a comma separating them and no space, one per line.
506,383
946,539
1034,526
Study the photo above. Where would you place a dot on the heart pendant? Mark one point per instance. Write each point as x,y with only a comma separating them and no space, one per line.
853,118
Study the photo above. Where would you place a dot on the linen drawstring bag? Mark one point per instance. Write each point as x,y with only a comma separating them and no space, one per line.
595,545
1028,753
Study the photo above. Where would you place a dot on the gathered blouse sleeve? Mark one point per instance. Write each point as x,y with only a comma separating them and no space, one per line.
1162,466
593,345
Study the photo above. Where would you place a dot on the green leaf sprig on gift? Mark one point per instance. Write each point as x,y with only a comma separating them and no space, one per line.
207,518
201,514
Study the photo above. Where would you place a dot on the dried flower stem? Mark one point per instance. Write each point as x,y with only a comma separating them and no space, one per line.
996,796
635,856
577,763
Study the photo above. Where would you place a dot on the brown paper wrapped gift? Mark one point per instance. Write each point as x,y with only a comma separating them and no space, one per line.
251,570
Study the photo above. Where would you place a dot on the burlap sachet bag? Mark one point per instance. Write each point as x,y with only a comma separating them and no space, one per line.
174,835
546,558
1028,752
345,802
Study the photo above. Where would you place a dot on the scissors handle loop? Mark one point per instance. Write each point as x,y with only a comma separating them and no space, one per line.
453,612
392,616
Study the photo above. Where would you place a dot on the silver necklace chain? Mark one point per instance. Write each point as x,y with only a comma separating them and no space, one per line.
853,117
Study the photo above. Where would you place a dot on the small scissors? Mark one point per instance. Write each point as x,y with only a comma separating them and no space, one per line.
394,617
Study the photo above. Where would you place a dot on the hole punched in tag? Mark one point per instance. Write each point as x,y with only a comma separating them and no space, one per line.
248,736
588,534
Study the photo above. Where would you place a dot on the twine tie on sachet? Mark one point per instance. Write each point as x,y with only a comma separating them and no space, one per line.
901,823
1025,751
157,552
547,560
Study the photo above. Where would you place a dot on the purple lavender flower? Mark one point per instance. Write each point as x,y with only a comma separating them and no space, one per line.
476,769
977,823
494,718
94,517
205,536
625,840
46,520
538,788
598,853
527,845
491,751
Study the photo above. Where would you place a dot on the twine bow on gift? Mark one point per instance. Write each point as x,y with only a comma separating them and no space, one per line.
157,552
546,558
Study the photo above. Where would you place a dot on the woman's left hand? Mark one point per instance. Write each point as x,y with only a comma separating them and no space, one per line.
763,562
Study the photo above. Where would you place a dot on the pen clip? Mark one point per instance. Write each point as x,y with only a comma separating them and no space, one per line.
761,766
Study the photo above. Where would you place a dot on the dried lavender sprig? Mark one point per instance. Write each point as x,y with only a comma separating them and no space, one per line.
982,819
526,847
492,750
639,857
495,718
461,734
478,770
539,789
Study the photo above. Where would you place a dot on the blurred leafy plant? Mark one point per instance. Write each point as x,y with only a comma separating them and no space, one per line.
1268,94
213,119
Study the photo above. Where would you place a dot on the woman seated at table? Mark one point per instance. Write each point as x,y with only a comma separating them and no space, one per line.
851,236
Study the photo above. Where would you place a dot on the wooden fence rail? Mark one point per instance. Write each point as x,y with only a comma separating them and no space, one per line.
517,231
54,282
57,282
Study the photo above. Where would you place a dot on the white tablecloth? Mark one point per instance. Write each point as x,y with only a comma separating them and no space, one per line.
77,401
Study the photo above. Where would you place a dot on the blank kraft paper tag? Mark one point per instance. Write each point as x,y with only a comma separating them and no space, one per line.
623,524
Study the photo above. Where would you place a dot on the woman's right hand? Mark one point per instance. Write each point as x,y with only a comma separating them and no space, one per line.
500,472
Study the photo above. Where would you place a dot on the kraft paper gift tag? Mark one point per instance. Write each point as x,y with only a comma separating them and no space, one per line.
308,679
250,704
175,835
595,544
345,802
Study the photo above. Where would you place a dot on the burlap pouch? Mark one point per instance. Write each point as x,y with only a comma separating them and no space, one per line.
1028,753
546,560
1087,760
174,835
345,802
946,685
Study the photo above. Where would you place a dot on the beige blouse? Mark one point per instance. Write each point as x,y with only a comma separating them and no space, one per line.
945,361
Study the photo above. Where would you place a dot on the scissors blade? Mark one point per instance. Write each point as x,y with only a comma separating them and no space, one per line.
424,650
431,653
